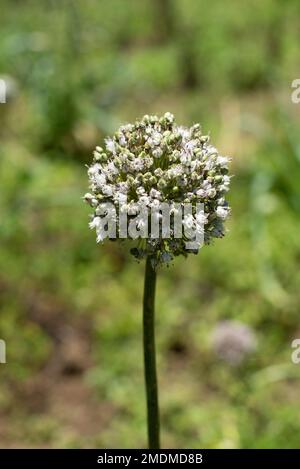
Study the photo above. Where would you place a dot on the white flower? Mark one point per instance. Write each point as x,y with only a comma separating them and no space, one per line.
140,190
90,199
122,187
194,166
155,194
185,158
201,218
174,172
206,190
201,193
110,145
153,162
157,152
107,190
144,200
137,164
210,163
169,117
111,168
211,193
94,169
155,204
126,128
222,161
184,132
225,186
222,212
120,198
191,145
95,223
154,139
122,140
212,151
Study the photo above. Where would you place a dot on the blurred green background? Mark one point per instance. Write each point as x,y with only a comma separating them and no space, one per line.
70,310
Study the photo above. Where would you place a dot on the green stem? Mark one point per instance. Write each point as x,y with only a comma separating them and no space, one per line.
149,356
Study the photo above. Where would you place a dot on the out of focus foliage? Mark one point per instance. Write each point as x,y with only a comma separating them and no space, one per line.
70,310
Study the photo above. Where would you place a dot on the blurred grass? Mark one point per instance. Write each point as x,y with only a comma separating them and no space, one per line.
70,310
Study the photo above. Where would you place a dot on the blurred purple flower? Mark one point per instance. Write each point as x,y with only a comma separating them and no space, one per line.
233,341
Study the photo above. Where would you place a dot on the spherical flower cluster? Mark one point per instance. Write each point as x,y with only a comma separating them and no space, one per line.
155,161
233,341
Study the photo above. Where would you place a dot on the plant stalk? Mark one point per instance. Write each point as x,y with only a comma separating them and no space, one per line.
149,356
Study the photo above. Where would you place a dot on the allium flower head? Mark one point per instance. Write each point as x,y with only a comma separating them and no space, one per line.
233,341
155,161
